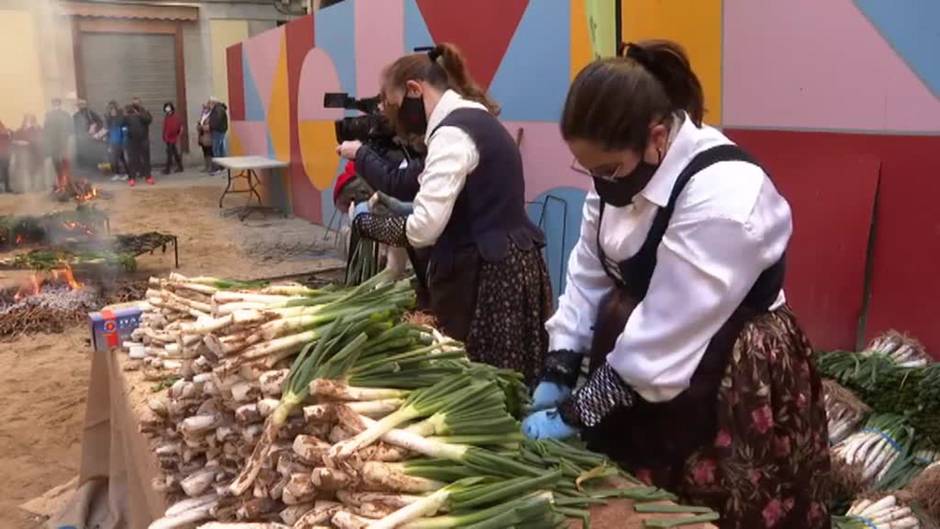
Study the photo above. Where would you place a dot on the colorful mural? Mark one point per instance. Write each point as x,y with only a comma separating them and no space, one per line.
849,127
524,51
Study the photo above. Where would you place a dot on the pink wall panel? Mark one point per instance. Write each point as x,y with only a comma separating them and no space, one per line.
821,65
253,136
263,52
546,157
380,36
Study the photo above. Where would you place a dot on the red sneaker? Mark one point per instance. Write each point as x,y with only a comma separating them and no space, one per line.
132,182
150,180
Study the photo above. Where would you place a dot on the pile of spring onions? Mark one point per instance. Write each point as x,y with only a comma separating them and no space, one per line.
886,513
888,387
365,420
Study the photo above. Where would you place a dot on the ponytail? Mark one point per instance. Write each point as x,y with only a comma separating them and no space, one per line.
443,67
614,101
669,64
459,79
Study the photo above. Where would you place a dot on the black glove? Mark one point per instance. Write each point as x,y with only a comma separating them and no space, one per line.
603,393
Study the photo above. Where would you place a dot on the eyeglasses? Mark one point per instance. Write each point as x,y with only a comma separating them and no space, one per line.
604,175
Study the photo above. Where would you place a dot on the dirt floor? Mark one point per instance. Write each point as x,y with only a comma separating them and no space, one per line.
43,378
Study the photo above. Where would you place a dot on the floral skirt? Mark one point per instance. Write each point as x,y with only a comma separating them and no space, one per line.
514,299
768,467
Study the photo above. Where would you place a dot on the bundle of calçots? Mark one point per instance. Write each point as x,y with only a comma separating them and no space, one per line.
884,513
844,411
328,409
889,387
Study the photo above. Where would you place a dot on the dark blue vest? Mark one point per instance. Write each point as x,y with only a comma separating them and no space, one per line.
490,210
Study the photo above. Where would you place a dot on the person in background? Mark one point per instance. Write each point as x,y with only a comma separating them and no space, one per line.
87,125
701,379
205,137
6,141
218,126
138,120
172,129
30,134
114,119
487,277
57,129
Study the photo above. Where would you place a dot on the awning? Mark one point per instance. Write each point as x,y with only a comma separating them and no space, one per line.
170,11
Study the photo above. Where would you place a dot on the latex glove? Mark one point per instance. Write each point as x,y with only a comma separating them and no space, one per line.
549,395
349,149
547,424
358,209
402,209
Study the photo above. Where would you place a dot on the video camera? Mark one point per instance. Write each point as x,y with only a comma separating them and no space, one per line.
372,128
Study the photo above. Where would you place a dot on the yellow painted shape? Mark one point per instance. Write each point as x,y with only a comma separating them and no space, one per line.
580,40
279,108
235,146
696,24
222,34
318,150
20,77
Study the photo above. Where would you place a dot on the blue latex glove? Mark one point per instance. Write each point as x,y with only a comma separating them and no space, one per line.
360,209
547,424
549,395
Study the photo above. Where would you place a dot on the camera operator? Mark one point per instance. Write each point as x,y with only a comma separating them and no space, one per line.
390,186
397,180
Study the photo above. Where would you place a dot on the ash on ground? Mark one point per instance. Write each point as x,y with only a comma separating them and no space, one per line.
53,309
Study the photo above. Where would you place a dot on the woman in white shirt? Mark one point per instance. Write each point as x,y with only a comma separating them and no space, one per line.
701,381
488,282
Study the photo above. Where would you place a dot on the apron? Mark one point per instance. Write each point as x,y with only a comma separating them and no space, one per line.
661,436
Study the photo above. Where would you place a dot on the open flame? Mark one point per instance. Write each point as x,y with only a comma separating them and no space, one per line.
38,279
75,226
90,193
82,191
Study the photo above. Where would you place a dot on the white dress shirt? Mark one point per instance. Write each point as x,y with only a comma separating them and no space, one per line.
452,155
729,225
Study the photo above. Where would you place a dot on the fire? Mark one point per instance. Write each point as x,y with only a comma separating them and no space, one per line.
20,238
74,226
65,274
37,279
89,194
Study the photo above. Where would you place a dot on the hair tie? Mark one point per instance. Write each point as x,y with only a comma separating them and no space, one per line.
434,52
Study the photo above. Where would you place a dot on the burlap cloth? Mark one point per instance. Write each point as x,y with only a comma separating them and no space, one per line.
118,466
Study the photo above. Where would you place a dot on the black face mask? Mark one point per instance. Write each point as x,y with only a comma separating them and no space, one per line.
412,118
619,191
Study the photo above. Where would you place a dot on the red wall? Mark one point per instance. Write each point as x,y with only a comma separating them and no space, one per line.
830,180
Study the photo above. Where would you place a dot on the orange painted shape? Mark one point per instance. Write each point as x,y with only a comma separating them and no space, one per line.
279,108
580,39
696,25
318,150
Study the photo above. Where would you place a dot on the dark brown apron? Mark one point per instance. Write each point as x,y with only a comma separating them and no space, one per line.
453,285
661,436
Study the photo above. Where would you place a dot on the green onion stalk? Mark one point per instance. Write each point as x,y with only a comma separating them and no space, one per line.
532,511
474,493
481,460
452,394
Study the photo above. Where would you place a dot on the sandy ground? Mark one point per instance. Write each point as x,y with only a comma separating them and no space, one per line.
43,378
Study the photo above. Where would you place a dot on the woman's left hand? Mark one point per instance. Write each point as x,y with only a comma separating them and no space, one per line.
547,424
349,149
